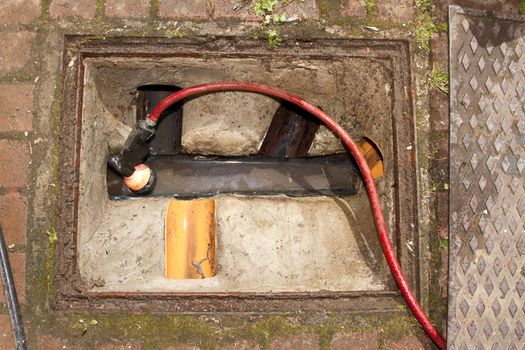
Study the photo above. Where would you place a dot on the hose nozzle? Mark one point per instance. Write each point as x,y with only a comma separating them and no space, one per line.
139,178
142,181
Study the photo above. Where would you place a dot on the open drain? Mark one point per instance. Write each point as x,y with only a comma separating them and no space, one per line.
117,247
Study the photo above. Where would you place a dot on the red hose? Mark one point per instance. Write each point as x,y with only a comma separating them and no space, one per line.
381,228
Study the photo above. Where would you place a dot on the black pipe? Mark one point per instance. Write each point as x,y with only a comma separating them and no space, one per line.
197,176
10,296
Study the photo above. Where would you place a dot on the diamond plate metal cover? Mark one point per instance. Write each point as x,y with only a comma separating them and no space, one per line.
487,187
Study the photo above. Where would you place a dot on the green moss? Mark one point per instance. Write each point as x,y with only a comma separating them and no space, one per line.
43,277
44,12
22,76
443,244
154,9
371,8
424,26
438,79
441,26
208,332
100,11
521,6
329,9
423,4
424,29
52,236
324,8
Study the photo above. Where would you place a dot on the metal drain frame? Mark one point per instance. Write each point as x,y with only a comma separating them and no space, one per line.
72,293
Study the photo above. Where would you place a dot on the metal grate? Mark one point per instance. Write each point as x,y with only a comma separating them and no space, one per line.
487,181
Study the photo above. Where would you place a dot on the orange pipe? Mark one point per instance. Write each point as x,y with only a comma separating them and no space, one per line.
190,239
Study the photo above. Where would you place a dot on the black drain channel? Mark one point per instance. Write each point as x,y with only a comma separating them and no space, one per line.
188,176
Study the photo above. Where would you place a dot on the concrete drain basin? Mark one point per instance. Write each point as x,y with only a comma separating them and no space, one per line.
271,247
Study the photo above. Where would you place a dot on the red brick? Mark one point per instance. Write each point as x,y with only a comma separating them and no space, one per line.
241,345
13,216
14,163
408,343
442,213
439,46
226,8
16,104
6,333
400,10
439,145
18,266
439,102
65,8
193,9
128,8
304,10
439,108
15,50
353,8
296,342
19,11
354,341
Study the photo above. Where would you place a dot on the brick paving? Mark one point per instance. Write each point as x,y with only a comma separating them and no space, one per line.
128,8
15,50
13,216
177,9
19,12
17,107
82,9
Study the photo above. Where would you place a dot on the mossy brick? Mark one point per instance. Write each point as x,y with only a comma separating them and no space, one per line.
353,8
400,11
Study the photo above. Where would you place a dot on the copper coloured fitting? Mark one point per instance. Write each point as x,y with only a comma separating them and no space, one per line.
143,179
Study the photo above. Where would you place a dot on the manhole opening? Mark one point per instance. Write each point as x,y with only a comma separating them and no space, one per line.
269,243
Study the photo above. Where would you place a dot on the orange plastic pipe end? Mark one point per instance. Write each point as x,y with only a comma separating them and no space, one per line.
190,239
373,156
